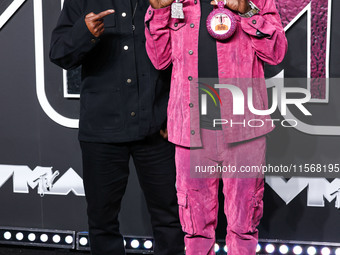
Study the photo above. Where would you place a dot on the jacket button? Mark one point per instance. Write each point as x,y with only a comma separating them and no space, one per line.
192,132
124,14
150,12
128,80
93,41
133,114
191,105
191,52
195,1
176,24
192,25
254,21
190,78
126,47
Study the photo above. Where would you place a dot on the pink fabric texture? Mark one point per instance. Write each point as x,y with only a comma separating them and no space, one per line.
168,41
258,39
198,198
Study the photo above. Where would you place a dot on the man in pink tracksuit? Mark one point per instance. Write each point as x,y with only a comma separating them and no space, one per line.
238,60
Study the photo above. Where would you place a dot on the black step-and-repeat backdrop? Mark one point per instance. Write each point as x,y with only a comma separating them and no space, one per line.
40,162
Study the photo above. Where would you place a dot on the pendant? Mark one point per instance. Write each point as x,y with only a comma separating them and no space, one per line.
221,23
177,10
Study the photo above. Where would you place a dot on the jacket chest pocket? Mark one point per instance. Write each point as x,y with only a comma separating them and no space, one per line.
110,20
110,24
176,24
177,29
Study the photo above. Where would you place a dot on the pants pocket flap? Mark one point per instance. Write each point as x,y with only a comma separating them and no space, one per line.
182,199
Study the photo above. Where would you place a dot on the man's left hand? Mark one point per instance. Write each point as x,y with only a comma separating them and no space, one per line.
241,6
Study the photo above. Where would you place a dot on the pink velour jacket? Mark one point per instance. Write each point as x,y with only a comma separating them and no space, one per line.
258,39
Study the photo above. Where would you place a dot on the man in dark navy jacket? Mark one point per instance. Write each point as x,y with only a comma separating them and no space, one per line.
123,108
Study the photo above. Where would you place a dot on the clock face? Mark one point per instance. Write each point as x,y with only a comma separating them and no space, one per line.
221,23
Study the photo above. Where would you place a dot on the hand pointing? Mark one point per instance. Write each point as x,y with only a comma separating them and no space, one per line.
94,22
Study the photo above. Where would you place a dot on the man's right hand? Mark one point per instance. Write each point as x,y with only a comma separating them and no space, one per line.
94,22
157,4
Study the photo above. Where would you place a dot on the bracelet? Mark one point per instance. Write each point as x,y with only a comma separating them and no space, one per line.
254,10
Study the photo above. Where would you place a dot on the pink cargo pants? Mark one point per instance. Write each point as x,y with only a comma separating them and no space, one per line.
198,197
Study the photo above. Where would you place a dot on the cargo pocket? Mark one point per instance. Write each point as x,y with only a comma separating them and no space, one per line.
185,214
256,212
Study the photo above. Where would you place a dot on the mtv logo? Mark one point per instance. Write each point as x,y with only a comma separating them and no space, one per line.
9,8
318,16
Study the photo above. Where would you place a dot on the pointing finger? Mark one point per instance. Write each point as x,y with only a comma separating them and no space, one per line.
103,14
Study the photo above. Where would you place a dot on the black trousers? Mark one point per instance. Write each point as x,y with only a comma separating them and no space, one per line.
105,174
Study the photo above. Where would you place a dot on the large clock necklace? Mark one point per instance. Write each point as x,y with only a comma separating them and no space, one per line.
221,23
